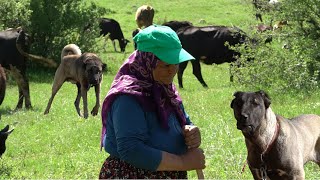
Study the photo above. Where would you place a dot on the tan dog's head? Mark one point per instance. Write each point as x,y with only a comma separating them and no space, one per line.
93,68
249,110
70,49
144,16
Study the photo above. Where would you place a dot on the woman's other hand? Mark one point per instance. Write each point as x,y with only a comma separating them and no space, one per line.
194,159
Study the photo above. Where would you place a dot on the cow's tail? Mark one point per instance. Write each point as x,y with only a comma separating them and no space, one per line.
70,49
20,40
46,61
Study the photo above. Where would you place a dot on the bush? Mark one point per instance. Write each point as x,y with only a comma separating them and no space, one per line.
294,66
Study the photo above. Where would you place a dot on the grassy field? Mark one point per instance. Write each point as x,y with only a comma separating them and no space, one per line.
62,145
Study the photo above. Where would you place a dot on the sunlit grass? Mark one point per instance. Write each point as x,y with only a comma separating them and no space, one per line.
62,145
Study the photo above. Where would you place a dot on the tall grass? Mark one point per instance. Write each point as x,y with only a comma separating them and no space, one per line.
62,145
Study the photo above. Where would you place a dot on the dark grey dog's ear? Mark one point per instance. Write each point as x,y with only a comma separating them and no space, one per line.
5,129
104,66
236,95
266,98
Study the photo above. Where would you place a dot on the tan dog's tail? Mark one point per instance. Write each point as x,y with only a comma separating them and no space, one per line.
70,49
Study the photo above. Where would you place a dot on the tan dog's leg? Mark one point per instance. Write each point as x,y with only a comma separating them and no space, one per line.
57,83
85,101
97,106
77,101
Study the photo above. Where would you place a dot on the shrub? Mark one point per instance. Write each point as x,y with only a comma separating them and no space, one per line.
294,67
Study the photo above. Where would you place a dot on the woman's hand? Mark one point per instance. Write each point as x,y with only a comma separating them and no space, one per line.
192,136
194,159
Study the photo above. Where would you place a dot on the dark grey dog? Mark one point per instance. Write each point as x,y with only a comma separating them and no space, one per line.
277,147
4,133
84,70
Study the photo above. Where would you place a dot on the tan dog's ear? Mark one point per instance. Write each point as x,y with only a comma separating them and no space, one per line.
236,95
265,97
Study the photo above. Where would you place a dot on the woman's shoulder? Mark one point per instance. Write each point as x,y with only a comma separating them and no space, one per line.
125,100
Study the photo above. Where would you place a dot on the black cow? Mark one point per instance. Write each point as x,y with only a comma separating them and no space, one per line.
134,33
14,44
175,25
12,60
208,44
112,28
4,133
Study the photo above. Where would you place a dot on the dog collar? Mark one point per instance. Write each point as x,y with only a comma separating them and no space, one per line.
263,168
273,140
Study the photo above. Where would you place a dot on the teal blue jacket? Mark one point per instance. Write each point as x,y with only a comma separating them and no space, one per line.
137,137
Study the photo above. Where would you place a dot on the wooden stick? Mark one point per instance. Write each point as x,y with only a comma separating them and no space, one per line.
200,174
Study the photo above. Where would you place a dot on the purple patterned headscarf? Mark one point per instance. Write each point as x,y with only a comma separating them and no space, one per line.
135,78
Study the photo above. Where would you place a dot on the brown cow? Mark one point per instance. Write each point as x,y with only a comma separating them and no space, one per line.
2,84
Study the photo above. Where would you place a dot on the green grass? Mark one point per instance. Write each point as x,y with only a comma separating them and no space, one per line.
62,145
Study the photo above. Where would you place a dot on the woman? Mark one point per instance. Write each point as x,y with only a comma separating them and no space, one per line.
145,128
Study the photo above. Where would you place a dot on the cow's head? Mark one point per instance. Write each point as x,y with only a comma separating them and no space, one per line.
123,43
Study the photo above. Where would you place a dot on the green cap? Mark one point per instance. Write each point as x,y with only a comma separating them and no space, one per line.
163,42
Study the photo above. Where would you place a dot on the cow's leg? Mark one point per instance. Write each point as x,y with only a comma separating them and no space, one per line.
23,85
57,83
259,17
230,72
106,37
17,77
3,82
85,101
20,98
114,45
182,67
26,92
196,69
96,107
77,101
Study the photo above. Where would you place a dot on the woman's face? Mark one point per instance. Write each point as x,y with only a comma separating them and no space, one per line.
164,73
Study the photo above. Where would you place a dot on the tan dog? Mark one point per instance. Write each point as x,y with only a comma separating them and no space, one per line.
84,70
277,147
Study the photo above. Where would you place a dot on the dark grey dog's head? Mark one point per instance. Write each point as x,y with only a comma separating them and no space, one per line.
93,68
249,109
4,133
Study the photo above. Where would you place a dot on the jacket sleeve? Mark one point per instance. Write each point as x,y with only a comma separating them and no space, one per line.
188,121
131,131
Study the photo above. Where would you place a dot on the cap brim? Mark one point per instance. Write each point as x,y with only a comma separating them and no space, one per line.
173,56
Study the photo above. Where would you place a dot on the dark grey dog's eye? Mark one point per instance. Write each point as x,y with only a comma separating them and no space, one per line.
255,101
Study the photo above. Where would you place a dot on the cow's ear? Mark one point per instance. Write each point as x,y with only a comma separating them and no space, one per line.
236,95
266,98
